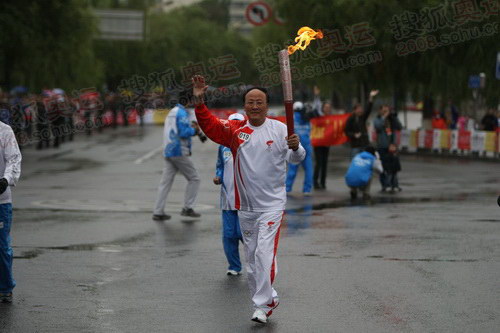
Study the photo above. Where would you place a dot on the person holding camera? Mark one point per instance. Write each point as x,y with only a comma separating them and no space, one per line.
177,141
386,124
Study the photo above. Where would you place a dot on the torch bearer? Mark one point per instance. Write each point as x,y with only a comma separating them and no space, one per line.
305,36
286,82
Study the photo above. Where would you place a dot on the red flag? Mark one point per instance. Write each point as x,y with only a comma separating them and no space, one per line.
329,130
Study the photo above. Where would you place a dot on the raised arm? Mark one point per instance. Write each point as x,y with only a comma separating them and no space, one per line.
369,106
377,164
218,130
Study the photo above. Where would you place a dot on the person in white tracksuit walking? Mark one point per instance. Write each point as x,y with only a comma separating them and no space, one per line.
261,150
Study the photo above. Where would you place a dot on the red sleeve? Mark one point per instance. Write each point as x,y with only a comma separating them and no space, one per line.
218,130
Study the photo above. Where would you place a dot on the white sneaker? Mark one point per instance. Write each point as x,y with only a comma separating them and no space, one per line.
233,273
259,316
276,302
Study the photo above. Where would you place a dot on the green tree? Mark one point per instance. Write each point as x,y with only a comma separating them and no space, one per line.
440,71
48,44
184,35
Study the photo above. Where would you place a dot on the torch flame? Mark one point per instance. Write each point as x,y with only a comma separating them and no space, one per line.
304,38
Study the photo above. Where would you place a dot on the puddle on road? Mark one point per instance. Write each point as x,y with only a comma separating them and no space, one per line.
56,155
109,247
423,259
316,255
387,200
384,200
133,133
30,254
320,216
70,165
486,220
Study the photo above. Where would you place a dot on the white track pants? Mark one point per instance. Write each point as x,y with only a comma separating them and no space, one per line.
261,233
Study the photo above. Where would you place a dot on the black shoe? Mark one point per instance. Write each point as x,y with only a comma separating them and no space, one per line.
162,217
322,186
6,298
354,195
366,197
189,212
317,187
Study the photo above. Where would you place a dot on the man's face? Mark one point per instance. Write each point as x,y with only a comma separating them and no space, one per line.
327,108
384,111
256,106
358,110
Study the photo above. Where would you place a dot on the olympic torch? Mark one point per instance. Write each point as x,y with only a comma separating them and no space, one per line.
305,36
286,82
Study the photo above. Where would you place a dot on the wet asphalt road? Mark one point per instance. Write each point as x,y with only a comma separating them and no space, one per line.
90,259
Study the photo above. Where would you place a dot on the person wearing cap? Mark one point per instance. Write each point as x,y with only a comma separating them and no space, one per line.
10,170
303,129
231,233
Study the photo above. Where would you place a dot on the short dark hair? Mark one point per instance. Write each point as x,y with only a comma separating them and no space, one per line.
264,90
185,95
370,149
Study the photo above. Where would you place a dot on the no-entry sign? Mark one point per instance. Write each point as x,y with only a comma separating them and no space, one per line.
258,13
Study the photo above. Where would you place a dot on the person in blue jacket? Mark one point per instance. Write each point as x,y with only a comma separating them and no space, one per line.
359,174
303,129
178,131
231,233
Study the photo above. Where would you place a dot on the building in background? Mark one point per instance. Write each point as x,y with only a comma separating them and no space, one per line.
237,18
120,24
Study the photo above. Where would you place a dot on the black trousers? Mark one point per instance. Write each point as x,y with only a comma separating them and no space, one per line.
320,167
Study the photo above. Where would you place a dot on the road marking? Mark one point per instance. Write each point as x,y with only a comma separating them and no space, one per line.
147,156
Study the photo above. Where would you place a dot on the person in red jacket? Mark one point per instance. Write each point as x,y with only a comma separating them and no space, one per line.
438,121
260,149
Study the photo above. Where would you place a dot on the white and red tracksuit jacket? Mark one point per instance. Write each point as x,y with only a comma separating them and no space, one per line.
260,156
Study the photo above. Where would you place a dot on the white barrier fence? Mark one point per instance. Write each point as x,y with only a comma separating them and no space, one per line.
453,141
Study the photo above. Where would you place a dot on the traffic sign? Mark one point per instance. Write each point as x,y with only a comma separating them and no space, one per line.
258,13
474,81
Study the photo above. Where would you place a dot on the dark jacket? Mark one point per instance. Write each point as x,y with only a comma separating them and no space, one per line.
42,118
355,124
489,122
390,163
385,129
